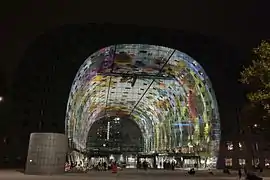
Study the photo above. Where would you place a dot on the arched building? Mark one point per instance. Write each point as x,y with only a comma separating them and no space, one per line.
165,91
43,81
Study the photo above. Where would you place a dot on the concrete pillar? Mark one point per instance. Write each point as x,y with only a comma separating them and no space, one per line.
46,153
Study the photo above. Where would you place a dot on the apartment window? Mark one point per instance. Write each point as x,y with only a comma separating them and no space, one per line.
240,145
5,140
229,146
43,101
46,89
267,163
242,162
256,146
228,162
255,162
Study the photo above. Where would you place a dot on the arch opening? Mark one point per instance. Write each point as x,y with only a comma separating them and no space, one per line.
165,91
116,135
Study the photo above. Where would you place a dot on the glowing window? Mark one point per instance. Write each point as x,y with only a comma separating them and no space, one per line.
229,146
241,146
241,162
228,162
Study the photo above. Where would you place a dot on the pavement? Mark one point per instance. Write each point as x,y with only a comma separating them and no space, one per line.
122,175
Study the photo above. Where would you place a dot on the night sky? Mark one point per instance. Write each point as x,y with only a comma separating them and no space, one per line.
234,27
240,24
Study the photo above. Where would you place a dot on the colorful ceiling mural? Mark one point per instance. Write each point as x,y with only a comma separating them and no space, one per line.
164,90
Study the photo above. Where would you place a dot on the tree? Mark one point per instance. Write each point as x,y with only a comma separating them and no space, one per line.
257,76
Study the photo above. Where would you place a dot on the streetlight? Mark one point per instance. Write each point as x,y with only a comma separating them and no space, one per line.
1,99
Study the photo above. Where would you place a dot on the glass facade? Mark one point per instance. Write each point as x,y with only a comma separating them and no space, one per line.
163,90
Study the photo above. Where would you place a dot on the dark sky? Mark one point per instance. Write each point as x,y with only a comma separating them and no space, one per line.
239,24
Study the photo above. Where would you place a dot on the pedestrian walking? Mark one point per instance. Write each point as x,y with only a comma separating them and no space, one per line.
239,173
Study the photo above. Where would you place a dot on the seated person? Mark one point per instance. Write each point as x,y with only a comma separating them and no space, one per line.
191,171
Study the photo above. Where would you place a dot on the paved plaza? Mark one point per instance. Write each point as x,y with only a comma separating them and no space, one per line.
126,174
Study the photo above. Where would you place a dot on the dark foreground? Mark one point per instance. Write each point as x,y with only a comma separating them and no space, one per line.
125,174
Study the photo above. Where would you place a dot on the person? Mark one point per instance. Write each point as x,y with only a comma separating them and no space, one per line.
191,171
245,170
145,165
173,165
226,171
239,173
105,166
114,167
196,165
138,165
210,171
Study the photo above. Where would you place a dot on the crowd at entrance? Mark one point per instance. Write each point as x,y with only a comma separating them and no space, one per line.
104,163
167,165
98,166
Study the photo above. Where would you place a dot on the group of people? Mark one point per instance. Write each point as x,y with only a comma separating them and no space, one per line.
167,165
104,166
98,166
143,165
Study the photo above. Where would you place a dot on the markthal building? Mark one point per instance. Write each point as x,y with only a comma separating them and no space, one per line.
139,102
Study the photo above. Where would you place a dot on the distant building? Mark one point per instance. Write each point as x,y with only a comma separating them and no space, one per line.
250,149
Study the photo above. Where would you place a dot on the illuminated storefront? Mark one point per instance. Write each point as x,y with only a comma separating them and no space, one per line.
163,90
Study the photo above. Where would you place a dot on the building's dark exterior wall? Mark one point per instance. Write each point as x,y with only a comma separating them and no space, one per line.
249,151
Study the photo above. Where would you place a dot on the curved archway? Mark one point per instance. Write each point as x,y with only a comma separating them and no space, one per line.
164,90
114,133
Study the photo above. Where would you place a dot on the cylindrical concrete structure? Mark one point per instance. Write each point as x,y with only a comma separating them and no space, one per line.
46,153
